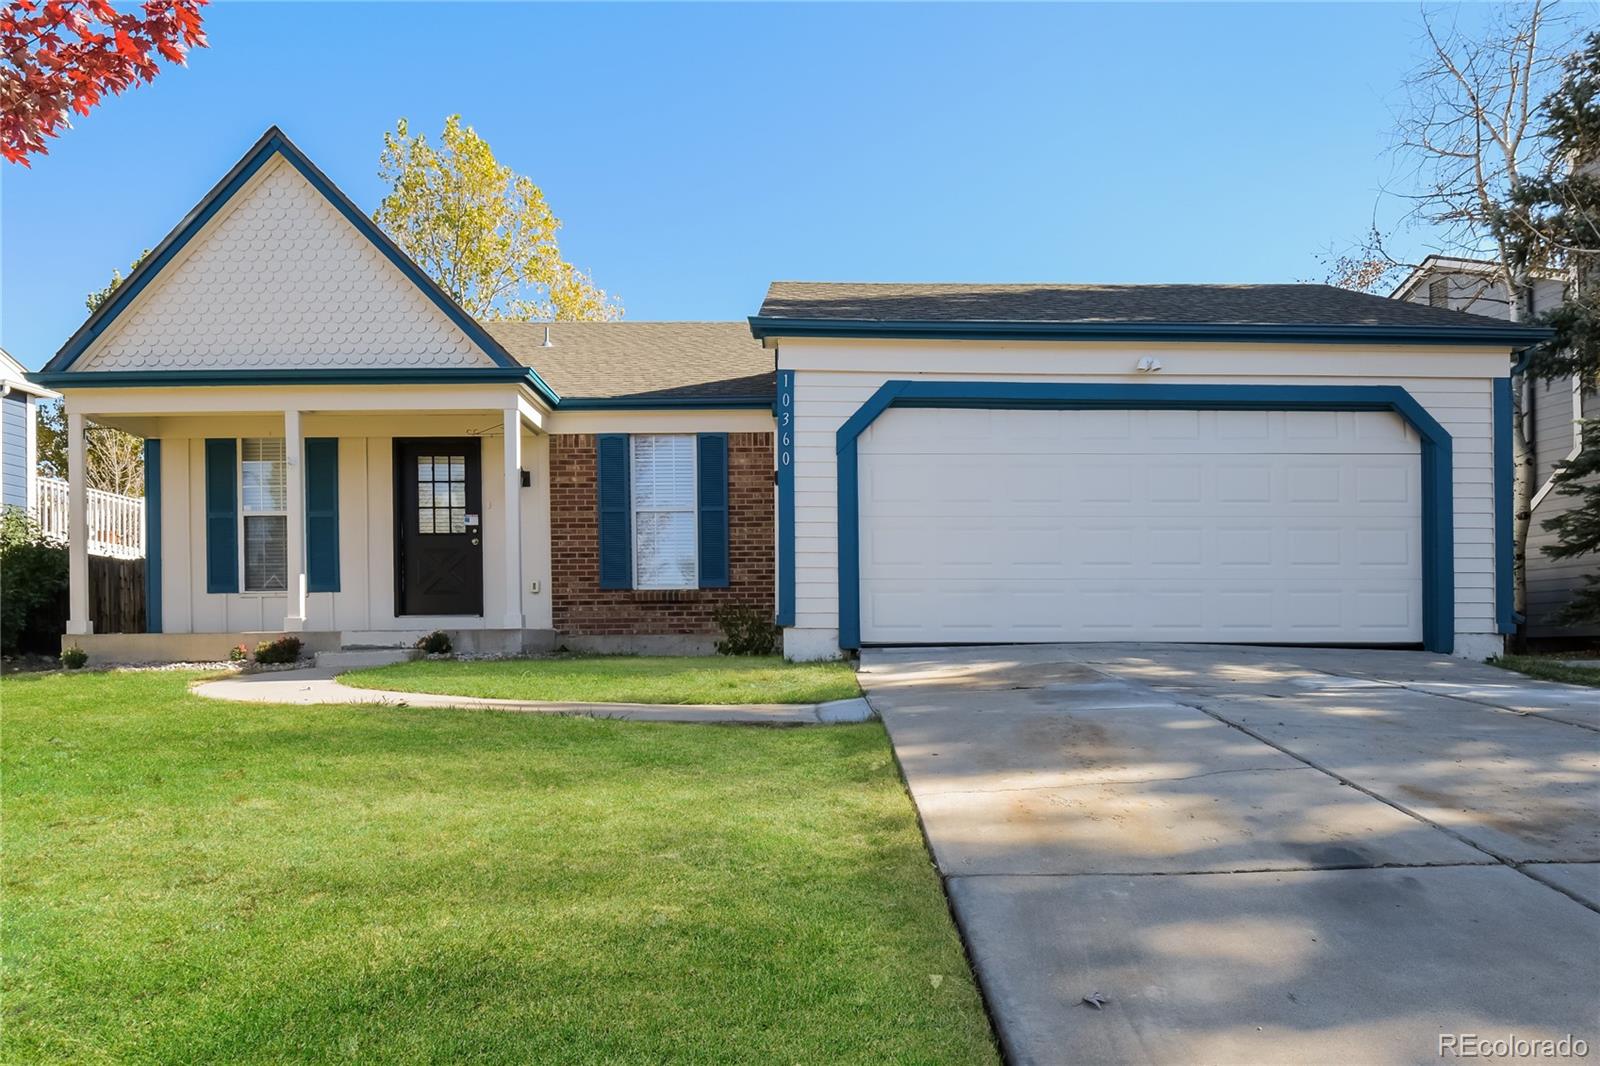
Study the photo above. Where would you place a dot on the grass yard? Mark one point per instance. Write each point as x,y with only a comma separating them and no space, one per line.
197,881
1550,668
717,679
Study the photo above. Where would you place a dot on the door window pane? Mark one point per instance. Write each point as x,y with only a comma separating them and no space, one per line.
442,494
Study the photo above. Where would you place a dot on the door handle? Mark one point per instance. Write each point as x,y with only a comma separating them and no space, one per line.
474,542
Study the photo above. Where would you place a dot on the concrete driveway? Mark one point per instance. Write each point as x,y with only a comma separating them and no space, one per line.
1257,855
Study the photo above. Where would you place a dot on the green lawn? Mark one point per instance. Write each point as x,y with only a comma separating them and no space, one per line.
621,679
1550,668
196,881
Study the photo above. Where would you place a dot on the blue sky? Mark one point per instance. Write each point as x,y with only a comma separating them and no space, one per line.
697,152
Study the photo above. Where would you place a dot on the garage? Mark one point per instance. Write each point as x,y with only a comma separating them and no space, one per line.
1040,463
985,526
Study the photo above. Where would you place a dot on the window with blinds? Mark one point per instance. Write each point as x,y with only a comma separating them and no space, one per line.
264,503
664,525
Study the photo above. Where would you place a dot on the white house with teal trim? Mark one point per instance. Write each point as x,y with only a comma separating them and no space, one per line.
336,449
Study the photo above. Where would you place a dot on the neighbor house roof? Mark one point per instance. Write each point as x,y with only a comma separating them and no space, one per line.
13,377
642,362
1055,311
1434,265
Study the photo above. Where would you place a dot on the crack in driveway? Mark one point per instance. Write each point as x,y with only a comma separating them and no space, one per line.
1103,782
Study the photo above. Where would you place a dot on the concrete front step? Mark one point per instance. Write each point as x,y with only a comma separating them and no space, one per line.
360,658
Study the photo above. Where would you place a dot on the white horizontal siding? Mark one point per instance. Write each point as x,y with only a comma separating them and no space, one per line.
825,398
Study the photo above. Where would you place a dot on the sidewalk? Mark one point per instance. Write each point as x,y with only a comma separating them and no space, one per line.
314,685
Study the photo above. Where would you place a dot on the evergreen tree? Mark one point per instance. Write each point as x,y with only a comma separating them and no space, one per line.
1555,221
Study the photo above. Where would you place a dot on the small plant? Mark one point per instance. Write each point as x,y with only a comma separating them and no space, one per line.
282,650
74,657
238,653
745,630
436,643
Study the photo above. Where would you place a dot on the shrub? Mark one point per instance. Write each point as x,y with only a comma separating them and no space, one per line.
33,585
436,643
745,631
238,653
282,650
73,657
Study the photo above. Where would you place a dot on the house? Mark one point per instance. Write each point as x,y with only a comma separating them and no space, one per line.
336,449
1557,409
19,435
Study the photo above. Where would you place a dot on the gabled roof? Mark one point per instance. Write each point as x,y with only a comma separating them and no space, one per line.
1049,311
643,363
272,143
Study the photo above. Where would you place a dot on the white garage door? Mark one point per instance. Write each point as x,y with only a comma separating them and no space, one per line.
1248,526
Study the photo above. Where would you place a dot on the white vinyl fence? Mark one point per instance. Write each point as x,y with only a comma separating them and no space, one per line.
116,523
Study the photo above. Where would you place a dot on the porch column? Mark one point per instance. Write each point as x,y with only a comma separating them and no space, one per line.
294,619
512,566
78,622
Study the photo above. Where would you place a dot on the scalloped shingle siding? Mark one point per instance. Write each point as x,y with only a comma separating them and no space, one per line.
282,280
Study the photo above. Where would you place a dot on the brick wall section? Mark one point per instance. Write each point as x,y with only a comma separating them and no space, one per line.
581,607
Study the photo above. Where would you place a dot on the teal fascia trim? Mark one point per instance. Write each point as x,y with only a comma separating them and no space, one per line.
1341,333
152,536
1438,507
101,379
783,411
650,403
273,142
1504,504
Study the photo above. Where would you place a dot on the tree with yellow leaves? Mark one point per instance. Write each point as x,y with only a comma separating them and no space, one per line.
482,231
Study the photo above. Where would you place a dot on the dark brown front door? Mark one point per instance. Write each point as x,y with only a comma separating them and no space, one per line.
438,505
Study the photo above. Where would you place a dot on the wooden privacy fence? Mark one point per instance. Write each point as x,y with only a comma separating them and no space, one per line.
116,604
116,594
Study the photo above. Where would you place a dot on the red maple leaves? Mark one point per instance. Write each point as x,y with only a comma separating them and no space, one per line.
65,55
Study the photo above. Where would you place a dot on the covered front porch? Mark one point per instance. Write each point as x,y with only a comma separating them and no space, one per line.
351,515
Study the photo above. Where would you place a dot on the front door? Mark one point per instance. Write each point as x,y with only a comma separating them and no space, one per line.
438,503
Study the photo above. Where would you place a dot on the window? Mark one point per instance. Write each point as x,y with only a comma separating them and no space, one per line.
441,494
664,525
264,494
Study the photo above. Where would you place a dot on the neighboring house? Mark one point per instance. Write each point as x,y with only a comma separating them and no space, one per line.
1556,408
19,434
336,449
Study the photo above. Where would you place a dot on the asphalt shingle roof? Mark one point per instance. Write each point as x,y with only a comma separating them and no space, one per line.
1219,305
642,360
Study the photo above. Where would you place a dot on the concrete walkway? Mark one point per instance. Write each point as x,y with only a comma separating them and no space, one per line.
321,686
1256,855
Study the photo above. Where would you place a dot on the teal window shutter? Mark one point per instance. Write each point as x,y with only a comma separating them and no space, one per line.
222,514
711,472
322,514
615,500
